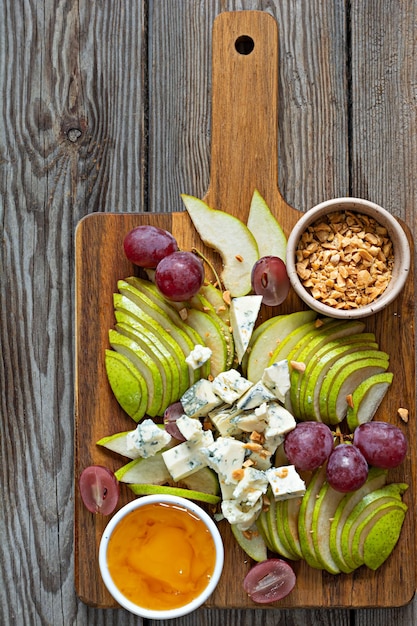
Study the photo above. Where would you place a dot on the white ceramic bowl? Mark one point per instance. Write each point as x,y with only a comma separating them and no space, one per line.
148,613
401,256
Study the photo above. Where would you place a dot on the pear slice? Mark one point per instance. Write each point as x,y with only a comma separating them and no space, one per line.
352,370
212,337
213,295
262,526
305,517
281,509
268,233
322,365
143,490
284,347
127,383
275,535
145,365
308,348
149,295
230,238
269,334
381,536
386,496
290,512
366,399
325,507
376,479
251,542
151,343
167,335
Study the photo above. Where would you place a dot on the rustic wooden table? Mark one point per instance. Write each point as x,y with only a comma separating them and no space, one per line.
106,107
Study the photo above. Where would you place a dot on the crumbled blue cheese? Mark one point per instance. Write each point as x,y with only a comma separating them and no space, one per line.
185,458
248,421
251,486
147,439
200,399
277,378
224,456
224,418
279,423
198,356
240,514
190,428
230,386
261,459
285,482
243,314
254,397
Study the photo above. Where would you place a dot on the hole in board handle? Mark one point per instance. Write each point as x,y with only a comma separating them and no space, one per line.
244,44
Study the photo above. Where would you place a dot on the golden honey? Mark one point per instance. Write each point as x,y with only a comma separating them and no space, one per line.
161,556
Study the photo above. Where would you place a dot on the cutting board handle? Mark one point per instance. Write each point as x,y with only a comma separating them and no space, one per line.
244,143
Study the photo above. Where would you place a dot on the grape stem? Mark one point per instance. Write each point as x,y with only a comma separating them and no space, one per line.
211,266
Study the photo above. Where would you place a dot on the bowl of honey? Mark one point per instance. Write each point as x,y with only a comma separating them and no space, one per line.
161,556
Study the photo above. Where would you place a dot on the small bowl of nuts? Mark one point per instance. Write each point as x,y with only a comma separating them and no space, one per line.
348,258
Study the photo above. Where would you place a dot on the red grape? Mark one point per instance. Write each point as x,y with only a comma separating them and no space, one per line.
309,445
383,445
270,279
172,413
347,469
146,245
269,581
99,489
179,276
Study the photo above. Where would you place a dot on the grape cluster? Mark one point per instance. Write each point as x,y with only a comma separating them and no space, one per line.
377,444
178,275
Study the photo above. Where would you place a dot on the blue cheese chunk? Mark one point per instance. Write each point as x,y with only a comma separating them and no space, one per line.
254,397
198,356
185,458
251,486
190,428
248,421
279,423
276,378
243,315
261,459
230,386
147,439
200,399
241,514
225,455
224,418
285,482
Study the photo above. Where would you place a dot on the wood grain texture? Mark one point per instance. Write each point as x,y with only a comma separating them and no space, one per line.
106,107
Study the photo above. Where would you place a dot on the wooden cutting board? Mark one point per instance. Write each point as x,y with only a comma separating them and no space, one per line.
243,157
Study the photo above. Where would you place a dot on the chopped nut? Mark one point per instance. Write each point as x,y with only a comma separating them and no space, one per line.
257,437
238,474
349,400
299,367
403,413
248,463
183,313
254,447
226,297
239,258
282,472
345,260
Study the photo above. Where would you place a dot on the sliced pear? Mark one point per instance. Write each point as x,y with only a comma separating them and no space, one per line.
275,537
268,233
372,502
308,348
262,526
366,399
290,512
212,337
321,363
230,238
213,295
305,517
269,335
151,343
282,350
145,365
281,508
148,471
325,507
381,536
127,383
345,376
251,541
143,490
377,478
166,333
